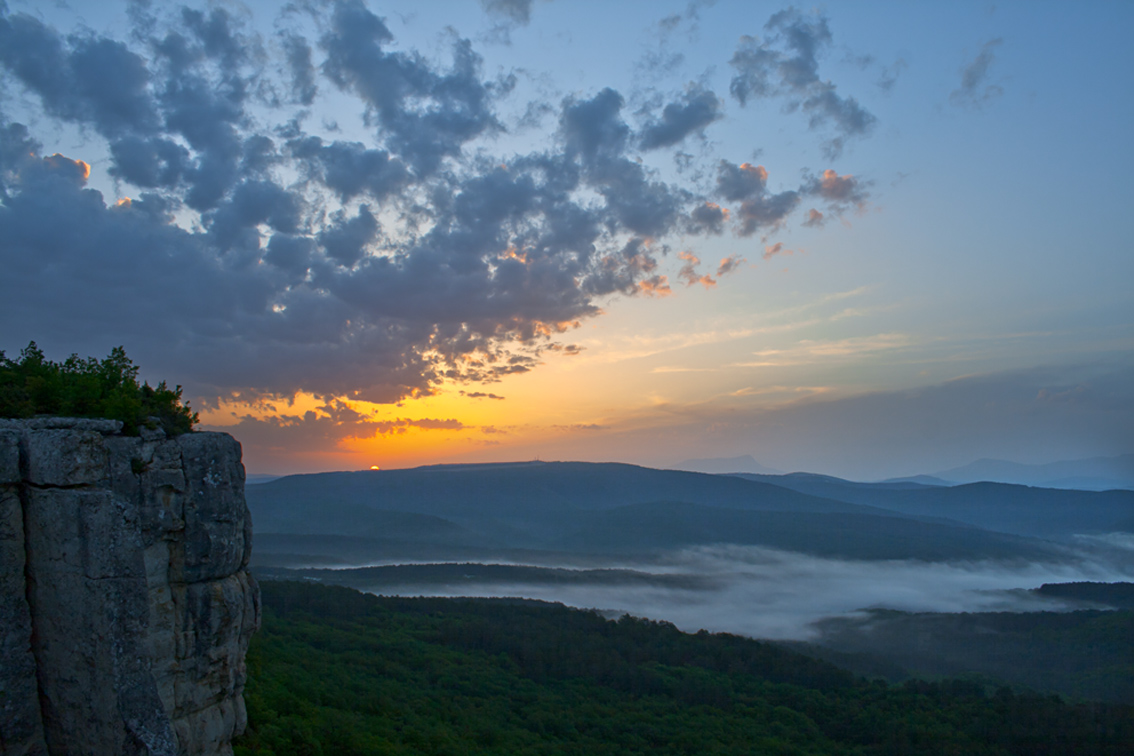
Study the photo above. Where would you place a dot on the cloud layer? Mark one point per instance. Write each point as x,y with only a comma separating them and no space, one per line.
261,251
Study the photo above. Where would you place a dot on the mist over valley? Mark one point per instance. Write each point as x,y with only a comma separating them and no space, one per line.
764,556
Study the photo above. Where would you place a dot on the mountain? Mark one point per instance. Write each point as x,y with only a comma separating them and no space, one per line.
1050,513
744,464
475,512
1096,473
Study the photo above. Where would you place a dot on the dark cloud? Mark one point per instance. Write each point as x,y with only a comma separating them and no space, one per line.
513,11
785,65
740,182
838,190
708,217
82,79
349,168
481,395
729,264
257,251
301,68
695,110
975,89
345,239
758,208
425,115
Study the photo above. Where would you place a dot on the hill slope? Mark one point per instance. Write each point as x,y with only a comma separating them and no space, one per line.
336,671
611,509
1021,510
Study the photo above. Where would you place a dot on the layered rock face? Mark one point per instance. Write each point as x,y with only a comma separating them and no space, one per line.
126,606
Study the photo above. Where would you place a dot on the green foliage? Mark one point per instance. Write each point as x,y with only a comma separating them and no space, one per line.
334,671
77,387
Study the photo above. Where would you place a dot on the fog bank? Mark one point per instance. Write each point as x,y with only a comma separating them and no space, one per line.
765,593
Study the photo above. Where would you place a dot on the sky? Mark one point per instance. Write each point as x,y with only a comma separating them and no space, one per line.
863,239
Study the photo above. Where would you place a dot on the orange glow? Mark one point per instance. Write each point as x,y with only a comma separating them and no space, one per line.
775,249
655,286
722,210
513,254
375,467
59,161
124,202
758,170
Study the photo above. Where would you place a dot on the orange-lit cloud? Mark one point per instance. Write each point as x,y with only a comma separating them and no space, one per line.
62,164
778,248
729,264
655,286
840,190
758,172
689,274
814,219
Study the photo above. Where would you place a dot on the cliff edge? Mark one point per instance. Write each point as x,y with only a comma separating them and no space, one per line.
126,606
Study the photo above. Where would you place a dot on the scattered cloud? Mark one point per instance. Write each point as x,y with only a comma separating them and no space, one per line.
690,114
809,351
975,89
785,65
814,219
772,250
688,273
259,248
480,395
729,264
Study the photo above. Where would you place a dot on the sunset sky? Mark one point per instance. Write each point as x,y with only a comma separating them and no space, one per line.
864,239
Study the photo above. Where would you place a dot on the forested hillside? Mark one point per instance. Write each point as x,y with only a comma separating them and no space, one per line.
335,671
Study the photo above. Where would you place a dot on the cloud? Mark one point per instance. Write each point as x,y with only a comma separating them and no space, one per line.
890,74
689,274
839,190
740,182
975,90
261,250
695,110
772,250
814,219
767,211
758,209
480,395
785,65
513,11
767,593
708,217
729,264
808,351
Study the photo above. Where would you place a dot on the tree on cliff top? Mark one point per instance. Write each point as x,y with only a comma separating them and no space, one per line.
77,387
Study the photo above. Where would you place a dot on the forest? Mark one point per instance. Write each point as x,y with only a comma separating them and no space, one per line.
336,671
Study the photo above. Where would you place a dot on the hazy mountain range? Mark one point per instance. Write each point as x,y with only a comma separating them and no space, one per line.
1095,474
478,512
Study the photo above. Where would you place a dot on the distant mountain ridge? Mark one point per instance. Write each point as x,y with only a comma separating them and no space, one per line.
714,465
1048,513
616,509
1095,473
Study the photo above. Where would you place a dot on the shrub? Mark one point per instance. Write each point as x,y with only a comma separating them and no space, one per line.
77,387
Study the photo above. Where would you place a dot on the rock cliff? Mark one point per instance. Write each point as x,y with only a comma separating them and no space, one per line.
126,606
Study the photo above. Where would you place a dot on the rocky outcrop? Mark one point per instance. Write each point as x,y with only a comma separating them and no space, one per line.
126,606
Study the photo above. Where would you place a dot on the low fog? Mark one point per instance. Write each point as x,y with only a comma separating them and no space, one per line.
764,593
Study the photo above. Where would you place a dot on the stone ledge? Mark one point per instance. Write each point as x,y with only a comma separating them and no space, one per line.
105,427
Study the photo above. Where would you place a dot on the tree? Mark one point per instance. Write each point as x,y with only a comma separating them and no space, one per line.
87,387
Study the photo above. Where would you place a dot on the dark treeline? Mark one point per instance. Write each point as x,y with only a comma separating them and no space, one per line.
1084,654
86,387
335,671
